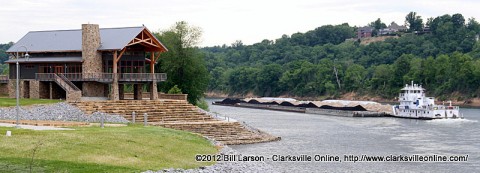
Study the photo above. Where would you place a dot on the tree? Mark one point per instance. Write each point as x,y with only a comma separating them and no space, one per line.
267,80
354,77
184,63
458,20
414,22
377,25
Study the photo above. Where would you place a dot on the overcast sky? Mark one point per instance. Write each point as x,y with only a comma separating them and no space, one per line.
222,21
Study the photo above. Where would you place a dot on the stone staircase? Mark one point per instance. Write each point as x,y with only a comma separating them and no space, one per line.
230,133
180,115
73,93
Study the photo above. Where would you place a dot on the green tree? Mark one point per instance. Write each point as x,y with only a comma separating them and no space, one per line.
414,22
377,25
354,77
184,63
267,80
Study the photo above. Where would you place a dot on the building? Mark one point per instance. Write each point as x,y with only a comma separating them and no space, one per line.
87,62
392,29
364,32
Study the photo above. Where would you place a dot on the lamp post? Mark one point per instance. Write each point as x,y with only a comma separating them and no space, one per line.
17,88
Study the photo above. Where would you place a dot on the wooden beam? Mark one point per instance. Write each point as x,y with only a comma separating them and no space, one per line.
148,39
158,57
115,62
152,62
143,41
121,53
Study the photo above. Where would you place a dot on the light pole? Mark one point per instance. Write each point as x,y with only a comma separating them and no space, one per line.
17,88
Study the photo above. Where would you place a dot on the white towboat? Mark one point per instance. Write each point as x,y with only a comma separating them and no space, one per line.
414,104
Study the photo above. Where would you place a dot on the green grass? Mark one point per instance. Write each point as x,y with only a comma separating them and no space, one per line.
5,102
92,149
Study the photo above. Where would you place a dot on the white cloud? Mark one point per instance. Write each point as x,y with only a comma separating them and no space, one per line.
223,21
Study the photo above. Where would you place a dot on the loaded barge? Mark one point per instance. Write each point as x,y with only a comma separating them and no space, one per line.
287,104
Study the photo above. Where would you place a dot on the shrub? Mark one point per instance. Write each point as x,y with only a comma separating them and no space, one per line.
175,90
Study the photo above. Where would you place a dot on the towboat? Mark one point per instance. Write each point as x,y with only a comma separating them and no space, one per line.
414,104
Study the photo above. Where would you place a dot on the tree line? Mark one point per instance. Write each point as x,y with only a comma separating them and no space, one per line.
320,62
4,57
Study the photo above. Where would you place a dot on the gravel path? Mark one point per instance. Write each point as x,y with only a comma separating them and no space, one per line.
57,112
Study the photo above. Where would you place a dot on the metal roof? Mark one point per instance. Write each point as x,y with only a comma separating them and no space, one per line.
46,59
71,40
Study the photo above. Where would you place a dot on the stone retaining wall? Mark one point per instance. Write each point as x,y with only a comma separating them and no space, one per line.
4,89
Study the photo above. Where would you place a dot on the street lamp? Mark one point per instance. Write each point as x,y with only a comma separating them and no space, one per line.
17,88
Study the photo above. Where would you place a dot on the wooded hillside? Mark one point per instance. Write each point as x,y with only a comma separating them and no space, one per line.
445,60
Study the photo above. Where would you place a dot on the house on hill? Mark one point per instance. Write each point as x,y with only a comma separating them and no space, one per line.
392,28
364,32
87,62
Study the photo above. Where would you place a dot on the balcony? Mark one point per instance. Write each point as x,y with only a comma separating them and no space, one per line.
105,77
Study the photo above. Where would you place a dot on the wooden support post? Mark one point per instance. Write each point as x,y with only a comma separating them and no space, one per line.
51,89
153,85
114,93
152,62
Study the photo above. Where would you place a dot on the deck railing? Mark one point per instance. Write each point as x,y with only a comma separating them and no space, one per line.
62,79
106,77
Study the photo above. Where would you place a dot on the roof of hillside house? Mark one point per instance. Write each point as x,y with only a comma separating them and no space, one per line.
395,26
366,29
71,40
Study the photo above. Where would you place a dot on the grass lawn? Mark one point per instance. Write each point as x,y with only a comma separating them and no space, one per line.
4,102
91,149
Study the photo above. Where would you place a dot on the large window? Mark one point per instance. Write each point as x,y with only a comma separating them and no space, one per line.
74,68
126,66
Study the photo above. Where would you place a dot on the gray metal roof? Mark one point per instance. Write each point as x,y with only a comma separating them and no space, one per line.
46,59
71,40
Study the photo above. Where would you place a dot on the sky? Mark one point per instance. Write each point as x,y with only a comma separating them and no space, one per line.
222,21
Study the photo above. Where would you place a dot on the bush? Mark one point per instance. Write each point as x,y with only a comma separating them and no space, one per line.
175,90
202,104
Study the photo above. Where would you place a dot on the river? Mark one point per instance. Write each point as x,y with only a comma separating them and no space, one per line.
321,135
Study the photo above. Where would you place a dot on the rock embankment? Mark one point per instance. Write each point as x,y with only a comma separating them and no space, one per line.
57,112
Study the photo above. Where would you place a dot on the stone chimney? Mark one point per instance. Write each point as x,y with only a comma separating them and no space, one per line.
92,58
